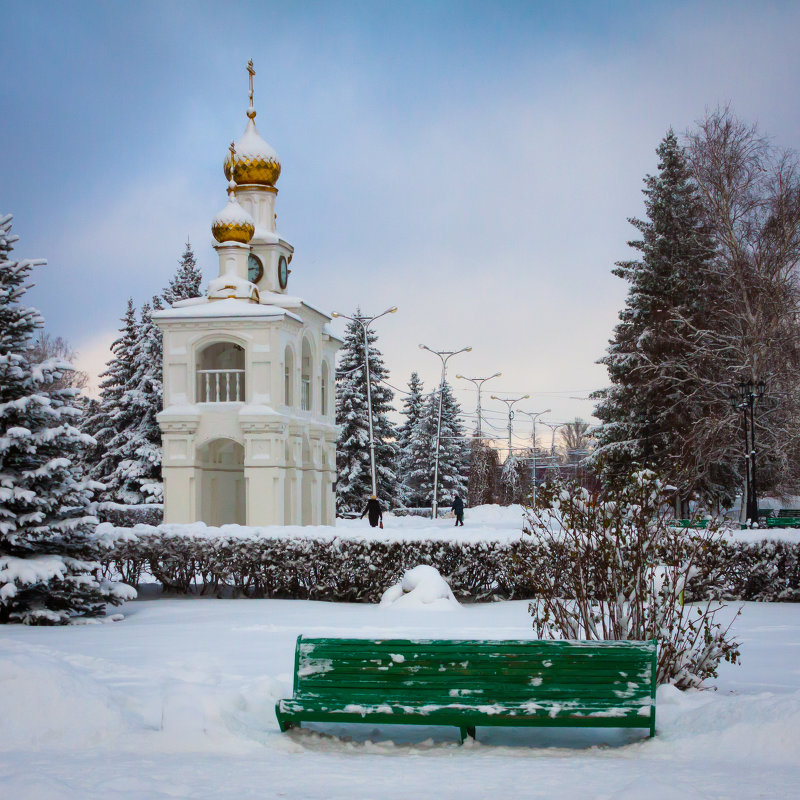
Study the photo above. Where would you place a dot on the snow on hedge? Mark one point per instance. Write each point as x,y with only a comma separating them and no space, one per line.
352,562
422,587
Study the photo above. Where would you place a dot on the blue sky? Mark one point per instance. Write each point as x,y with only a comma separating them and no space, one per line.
472,163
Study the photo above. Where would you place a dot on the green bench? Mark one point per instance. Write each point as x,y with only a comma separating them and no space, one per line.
787,518
469,683
689,523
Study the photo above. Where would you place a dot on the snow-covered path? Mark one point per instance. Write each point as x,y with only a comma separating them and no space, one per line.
177,701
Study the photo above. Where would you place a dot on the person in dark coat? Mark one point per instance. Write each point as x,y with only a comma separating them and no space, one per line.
458,510
374,510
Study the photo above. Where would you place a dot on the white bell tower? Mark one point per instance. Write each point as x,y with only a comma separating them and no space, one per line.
248,428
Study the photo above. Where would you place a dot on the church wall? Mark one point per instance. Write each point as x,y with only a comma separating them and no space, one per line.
277,491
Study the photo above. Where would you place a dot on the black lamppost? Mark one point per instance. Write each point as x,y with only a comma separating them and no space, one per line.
749,392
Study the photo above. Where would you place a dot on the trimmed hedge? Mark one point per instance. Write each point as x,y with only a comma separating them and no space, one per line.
344,569
126,516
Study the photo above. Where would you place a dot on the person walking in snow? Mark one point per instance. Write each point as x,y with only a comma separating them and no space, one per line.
374,510
458,510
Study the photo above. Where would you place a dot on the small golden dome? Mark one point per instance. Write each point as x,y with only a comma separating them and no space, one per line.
233,223
254,161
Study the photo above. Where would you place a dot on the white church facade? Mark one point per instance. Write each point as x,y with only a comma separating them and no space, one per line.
248,428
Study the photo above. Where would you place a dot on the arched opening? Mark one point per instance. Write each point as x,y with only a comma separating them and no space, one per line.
222,490
288,376
221,373
306,364
324,389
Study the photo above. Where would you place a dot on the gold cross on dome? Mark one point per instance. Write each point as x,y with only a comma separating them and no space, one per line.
251,71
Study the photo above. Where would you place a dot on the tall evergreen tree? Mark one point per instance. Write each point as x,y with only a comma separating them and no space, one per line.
49,571
132,465
453,451
110,417
483,486
354,481
187,280
413,409
656,360
140,471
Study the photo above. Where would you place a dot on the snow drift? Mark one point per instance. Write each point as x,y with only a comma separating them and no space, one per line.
421,587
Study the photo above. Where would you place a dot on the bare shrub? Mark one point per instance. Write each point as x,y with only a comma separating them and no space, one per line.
616,570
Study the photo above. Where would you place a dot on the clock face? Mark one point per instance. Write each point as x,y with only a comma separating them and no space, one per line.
283,272
254,268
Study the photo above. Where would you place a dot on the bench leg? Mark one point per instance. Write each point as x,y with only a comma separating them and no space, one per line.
467,731
285,724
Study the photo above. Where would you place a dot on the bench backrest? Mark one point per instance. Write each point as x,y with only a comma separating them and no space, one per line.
614,675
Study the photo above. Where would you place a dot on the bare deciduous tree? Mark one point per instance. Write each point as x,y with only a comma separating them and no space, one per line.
45,347
750,190
576,439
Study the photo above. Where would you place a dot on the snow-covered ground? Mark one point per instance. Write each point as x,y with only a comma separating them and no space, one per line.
177,701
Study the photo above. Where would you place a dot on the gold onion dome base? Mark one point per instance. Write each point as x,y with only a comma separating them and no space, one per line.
232,231
254,161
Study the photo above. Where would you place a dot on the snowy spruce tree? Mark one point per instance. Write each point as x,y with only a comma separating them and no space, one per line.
413,409
49,569
657,360
453,452
515,477
483,485
187,280
109,416
131,466
354,481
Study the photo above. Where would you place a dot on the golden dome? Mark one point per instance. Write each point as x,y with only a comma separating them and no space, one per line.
233,223
254,161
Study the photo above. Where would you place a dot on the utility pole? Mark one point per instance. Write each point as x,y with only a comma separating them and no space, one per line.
479,385
510,402
445,356
534,416
365,322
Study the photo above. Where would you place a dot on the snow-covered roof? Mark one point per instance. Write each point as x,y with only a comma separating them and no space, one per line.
292,301
229,307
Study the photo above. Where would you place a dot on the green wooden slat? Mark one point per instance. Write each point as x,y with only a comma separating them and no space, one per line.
576,644
532,708
474,701
402,661
515,676
522,650
364,713
318,666
531,685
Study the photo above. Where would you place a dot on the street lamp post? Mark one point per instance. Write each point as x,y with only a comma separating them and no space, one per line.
749,392
479,384
510,402
445,356
534,416
365,322
554,426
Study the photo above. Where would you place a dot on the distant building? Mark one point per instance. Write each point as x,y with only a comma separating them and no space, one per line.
248,428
